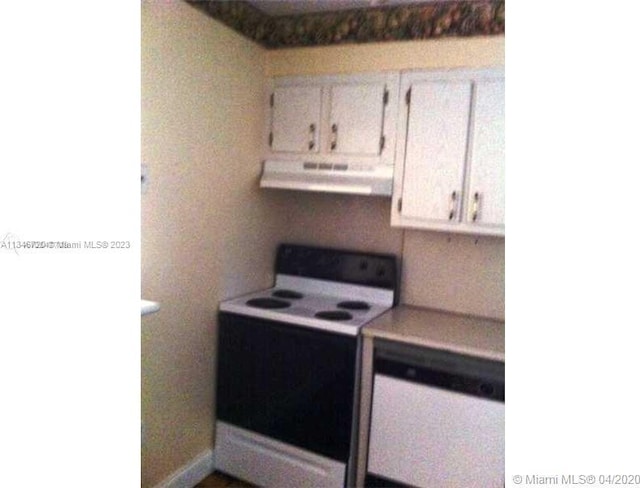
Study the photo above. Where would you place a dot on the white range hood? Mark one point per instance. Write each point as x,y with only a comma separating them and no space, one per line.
351,178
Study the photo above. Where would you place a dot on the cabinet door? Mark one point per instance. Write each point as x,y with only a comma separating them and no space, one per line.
295,121
436,143
357,117
486,177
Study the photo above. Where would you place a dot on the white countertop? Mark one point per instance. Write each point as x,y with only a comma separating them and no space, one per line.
464,334
148,306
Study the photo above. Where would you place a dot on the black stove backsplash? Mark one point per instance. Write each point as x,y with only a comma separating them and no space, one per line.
367,269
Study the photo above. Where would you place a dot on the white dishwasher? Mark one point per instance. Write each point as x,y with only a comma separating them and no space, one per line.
437,419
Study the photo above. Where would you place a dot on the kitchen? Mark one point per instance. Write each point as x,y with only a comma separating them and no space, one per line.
70,170
210,234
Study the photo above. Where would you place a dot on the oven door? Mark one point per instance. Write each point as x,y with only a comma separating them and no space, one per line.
289,383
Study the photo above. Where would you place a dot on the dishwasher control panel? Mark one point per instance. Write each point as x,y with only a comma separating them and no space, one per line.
441,369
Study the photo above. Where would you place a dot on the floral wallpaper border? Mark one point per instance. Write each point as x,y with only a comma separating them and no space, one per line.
407,22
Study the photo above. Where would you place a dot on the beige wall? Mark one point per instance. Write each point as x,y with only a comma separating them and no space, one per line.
455,272
475,52
450,272
207,233
341,221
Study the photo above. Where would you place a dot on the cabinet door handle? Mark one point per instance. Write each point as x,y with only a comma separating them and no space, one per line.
312,136
453,205
334,136
476,206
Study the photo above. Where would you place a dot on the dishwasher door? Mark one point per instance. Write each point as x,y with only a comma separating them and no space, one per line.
437,420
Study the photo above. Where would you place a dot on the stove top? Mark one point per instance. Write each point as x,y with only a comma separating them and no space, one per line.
329,290
338,312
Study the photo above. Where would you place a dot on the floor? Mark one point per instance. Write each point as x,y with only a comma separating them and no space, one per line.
220,480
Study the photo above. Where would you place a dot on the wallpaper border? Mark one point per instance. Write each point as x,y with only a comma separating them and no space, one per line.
407,22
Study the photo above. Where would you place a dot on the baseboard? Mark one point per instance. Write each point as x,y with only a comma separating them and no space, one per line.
191,473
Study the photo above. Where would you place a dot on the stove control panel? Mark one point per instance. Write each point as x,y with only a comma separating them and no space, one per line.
367,269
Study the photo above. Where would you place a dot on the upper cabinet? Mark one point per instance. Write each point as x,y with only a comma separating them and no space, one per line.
335,119
295,119
356,118
486,175
450,156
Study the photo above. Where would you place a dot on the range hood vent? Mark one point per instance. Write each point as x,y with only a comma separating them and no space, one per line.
352,178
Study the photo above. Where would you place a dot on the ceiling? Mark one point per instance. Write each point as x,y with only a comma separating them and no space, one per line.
277,8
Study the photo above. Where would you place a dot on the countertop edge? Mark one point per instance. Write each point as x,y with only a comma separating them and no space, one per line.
379,328
147,307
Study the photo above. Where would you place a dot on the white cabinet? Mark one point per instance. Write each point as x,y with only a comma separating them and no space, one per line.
450,158
357,118
335,119
486,176
435,150
295,116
